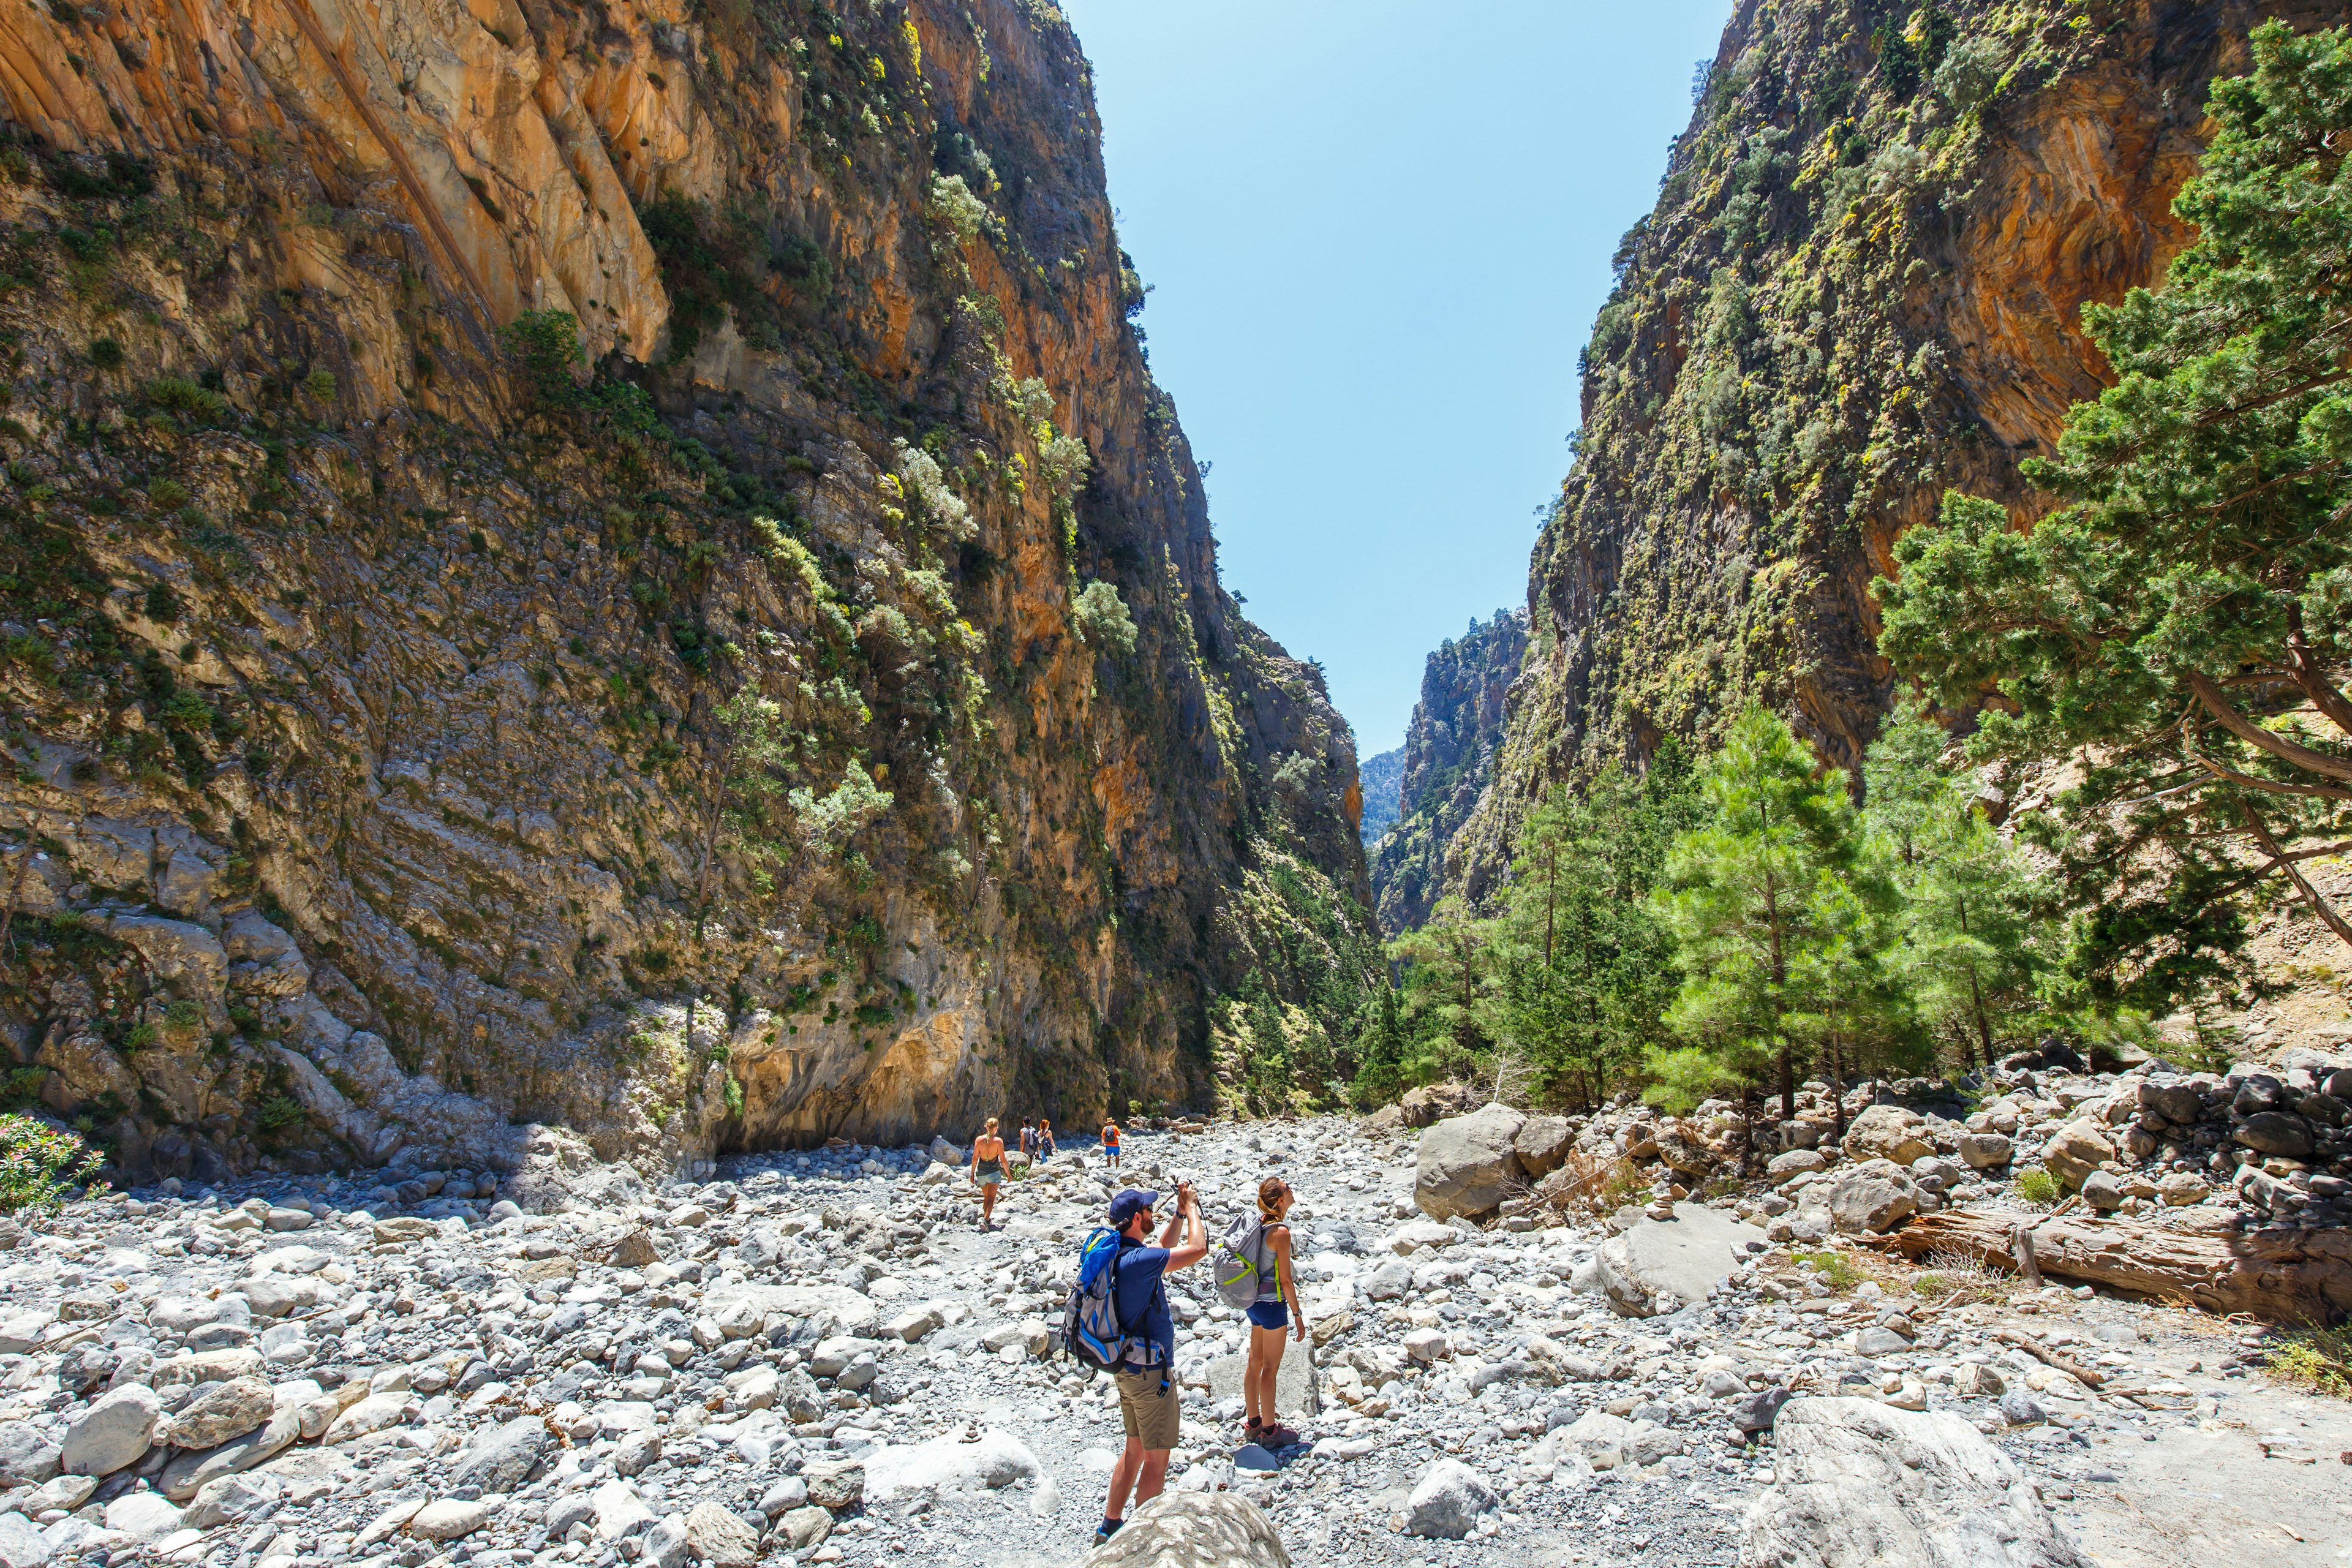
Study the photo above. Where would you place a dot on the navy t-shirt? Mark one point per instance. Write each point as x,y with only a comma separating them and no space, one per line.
1142,1304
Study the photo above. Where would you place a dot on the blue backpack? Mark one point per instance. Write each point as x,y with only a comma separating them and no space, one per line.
1091,1332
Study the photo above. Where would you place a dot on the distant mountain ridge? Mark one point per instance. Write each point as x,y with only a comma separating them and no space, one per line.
1383,780
1449,759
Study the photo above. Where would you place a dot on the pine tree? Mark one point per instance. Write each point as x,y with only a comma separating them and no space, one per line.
1745,903
1975,943
1446,990
1583,962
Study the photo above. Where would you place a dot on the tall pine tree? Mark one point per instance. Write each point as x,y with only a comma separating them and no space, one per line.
1583,963
1744,898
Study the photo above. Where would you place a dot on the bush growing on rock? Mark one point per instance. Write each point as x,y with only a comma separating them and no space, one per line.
38,1164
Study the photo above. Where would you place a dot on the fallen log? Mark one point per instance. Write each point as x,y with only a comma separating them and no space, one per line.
2285,1273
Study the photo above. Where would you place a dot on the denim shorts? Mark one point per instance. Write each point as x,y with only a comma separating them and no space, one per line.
1269,1313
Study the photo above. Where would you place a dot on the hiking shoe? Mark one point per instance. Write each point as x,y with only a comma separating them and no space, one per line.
1277,1435
1103,1532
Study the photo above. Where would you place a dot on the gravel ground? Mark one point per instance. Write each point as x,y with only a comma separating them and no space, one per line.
655,1376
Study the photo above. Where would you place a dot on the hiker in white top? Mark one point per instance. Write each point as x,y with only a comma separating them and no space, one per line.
1275,1309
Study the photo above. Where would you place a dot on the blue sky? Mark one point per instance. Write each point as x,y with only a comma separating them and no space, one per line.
1377,233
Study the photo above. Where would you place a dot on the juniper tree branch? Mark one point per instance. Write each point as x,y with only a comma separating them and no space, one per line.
2311,895
2217,702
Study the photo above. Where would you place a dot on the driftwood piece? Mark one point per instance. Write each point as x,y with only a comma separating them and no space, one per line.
2285,1273
2087,1377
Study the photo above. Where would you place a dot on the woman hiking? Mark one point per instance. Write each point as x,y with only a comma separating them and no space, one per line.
988,1171
1276,1309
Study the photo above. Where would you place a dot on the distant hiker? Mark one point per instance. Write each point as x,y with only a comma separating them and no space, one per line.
988,1168
1028,1137
1045,1139
1111,1144
1265,1240
1148,1396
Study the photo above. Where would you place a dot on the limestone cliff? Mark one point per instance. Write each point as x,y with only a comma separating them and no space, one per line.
1861,285
433,430
1449,761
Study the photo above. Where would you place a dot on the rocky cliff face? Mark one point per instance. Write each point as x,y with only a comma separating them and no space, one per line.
1382,777
1861,285
1449,762
433,430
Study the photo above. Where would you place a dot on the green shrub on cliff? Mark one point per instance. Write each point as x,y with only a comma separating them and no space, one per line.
1100,617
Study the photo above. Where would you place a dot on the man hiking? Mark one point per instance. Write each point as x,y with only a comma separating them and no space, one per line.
1147,1400
988,1168
1110,1145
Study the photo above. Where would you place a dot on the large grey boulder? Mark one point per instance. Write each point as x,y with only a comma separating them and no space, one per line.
1887,1132
116,1430
1447,1503
1872,1198
503,1458
1468,1163
1663,1265
1193,1529
1858,1482
948,1464
1541,1144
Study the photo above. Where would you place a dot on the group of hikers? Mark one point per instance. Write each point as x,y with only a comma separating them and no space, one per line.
1117,1317
992,1162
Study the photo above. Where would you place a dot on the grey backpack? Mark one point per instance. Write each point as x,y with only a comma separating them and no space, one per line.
1242,1261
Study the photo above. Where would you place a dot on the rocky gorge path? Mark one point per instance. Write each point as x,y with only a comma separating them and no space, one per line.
821,1358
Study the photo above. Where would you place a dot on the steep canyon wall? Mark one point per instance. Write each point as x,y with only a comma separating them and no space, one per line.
1861,285
431,429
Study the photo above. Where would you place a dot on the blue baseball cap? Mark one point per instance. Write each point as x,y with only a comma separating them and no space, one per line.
1129,1204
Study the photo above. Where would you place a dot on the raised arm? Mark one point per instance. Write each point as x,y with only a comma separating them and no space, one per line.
1186,1238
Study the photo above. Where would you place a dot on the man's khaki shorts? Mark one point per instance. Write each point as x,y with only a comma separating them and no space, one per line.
1147,1405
